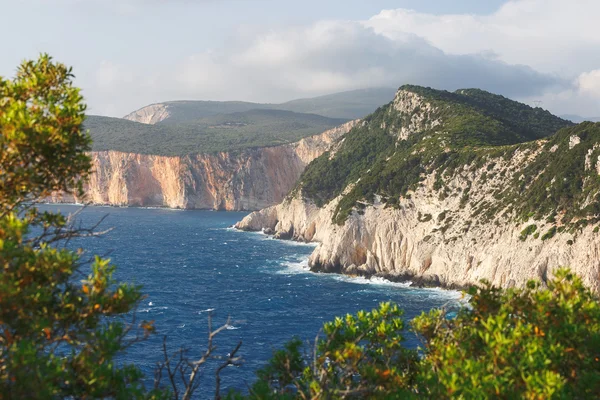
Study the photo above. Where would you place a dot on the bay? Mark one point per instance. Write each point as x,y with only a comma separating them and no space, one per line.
192,263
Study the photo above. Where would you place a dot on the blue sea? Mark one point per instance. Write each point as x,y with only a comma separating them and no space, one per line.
191,263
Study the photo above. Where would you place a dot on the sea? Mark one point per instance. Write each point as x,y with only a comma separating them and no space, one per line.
193,263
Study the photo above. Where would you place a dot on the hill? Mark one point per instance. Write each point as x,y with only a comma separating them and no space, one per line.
578,118
215,133
446,189
347,105
397,144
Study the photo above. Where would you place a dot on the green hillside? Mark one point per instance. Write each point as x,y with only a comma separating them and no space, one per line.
458,129
236,131
347,105
190,111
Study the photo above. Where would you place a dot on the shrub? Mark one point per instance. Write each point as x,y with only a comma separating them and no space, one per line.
517,343
527,231
550,234
56,337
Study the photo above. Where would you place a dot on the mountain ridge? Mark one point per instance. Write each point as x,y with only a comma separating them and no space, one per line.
447,194
344,105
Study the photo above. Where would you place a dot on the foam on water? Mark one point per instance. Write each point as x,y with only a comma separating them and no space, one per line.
376,280
301,267
295,267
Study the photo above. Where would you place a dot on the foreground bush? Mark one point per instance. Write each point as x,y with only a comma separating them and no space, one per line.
55,338
533,343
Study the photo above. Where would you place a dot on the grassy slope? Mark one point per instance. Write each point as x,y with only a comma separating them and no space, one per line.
255,128
475,125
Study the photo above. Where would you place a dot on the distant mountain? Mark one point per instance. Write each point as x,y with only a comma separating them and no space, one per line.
578,118
210,134
347,105
350,105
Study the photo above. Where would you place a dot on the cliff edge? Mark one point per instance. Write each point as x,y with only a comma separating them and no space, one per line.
248,179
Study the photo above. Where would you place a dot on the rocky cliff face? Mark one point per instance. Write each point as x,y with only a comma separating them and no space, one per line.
455,227
152,114
248,180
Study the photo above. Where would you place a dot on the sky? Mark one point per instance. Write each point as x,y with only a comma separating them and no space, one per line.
130,53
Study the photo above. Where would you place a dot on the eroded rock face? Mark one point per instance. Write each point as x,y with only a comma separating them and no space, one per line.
248,180
431,240
150,115
451,240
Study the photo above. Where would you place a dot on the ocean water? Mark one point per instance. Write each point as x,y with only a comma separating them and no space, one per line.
191,263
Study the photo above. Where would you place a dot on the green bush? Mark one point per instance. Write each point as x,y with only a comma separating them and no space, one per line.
530,343
527,231
550,234
60,330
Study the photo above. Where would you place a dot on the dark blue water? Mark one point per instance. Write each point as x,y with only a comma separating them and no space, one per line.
190,262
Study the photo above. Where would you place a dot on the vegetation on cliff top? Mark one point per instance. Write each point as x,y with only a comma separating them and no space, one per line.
229,132
453,130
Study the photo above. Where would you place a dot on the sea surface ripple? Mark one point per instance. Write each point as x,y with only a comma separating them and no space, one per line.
191,263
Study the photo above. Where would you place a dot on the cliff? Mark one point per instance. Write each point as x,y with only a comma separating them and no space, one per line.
152,114
454,193
249,179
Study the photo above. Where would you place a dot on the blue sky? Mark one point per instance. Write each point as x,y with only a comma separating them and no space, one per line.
129,53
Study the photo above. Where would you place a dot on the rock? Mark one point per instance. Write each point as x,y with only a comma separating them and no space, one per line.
251,179
393,242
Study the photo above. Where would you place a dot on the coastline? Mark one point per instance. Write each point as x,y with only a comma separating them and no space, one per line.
410,280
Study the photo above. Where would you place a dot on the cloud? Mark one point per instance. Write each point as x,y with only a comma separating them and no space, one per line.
589,82
325,57
549,35
555,37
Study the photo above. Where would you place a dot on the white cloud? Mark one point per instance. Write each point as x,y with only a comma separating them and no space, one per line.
589,82
325,57
549,35
529,49
556,37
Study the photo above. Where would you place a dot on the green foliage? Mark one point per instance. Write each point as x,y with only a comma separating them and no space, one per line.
526,343
58,335
550,234
530,343
41,146
361,356
471,126
211,134
529,230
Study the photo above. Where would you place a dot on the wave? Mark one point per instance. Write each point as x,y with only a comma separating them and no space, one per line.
375,280
301,244
301,267
232,328
149,309
295,267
